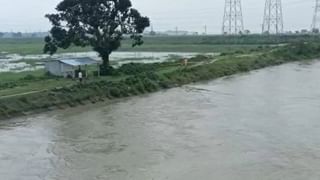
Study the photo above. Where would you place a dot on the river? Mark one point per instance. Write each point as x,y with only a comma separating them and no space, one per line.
261,125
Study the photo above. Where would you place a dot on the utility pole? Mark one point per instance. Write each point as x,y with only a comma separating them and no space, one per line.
232,19
273,20
152,32
316,18
205,29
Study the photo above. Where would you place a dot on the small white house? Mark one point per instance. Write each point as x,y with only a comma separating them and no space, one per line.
68,67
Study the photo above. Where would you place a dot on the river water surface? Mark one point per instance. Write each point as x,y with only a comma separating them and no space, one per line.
263,125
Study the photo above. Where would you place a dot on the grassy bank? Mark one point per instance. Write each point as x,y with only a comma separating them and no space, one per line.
136,79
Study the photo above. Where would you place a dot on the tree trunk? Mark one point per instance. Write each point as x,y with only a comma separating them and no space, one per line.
106,62
105,68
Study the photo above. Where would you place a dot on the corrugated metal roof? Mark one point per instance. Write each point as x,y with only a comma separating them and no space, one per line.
79,61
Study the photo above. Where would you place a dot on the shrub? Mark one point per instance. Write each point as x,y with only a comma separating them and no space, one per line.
137,68
9,85
29,77
115,92
199,57
107,71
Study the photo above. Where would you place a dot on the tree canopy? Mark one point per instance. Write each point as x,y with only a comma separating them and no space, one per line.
100,24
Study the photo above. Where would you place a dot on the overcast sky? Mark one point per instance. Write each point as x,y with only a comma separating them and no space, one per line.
192,15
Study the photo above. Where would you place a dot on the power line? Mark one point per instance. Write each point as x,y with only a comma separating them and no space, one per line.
316,17
232,19
205,29
273,20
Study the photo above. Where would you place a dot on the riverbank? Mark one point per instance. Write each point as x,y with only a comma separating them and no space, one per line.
241,127
136,79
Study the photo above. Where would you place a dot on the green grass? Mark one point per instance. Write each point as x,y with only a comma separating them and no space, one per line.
12,83
36,86
12,76
15,83
169,43
200,48
35,46
26,46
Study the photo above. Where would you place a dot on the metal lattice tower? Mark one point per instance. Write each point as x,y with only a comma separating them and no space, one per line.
232,19
316,17
273,20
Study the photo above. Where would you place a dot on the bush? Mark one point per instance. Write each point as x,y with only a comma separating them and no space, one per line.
29,77
8,85
107,71
115,92
198,58
137,68
95,73
223,54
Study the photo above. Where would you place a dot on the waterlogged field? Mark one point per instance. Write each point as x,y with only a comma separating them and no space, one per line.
19,63
26,54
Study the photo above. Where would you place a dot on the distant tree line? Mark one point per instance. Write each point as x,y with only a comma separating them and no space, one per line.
13,34
23,35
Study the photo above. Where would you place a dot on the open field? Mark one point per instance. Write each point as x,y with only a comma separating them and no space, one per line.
169,43
35,46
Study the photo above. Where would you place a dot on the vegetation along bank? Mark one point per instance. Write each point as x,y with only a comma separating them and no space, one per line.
136,79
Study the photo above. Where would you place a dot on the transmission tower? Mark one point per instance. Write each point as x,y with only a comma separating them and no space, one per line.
316,17
232,19
273,20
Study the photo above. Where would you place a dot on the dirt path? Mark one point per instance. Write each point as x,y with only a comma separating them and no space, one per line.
21,94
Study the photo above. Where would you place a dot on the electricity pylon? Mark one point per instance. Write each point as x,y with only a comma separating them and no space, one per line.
273,20
232,19
316,17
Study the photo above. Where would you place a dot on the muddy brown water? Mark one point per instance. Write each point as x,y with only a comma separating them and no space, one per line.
263,125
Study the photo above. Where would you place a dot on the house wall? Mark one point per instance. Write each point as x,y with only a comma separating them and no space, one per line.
53,67
67,70
59,69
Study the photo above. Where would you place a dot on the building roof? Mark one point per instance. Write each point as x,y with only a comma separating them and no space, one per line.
79,61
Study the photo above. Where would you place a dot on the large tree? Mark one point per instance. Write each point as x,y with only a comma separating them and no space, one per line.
100,24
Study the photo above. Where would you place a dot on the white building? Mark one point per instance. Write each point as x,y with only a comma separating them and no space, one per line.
68,67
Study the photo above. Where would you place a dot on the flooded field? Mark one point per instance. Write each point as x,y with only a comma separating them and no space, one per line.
18,63
262,125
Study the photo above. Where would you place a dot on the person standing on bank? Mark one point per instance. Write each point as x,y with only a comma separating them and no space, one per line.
80,76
